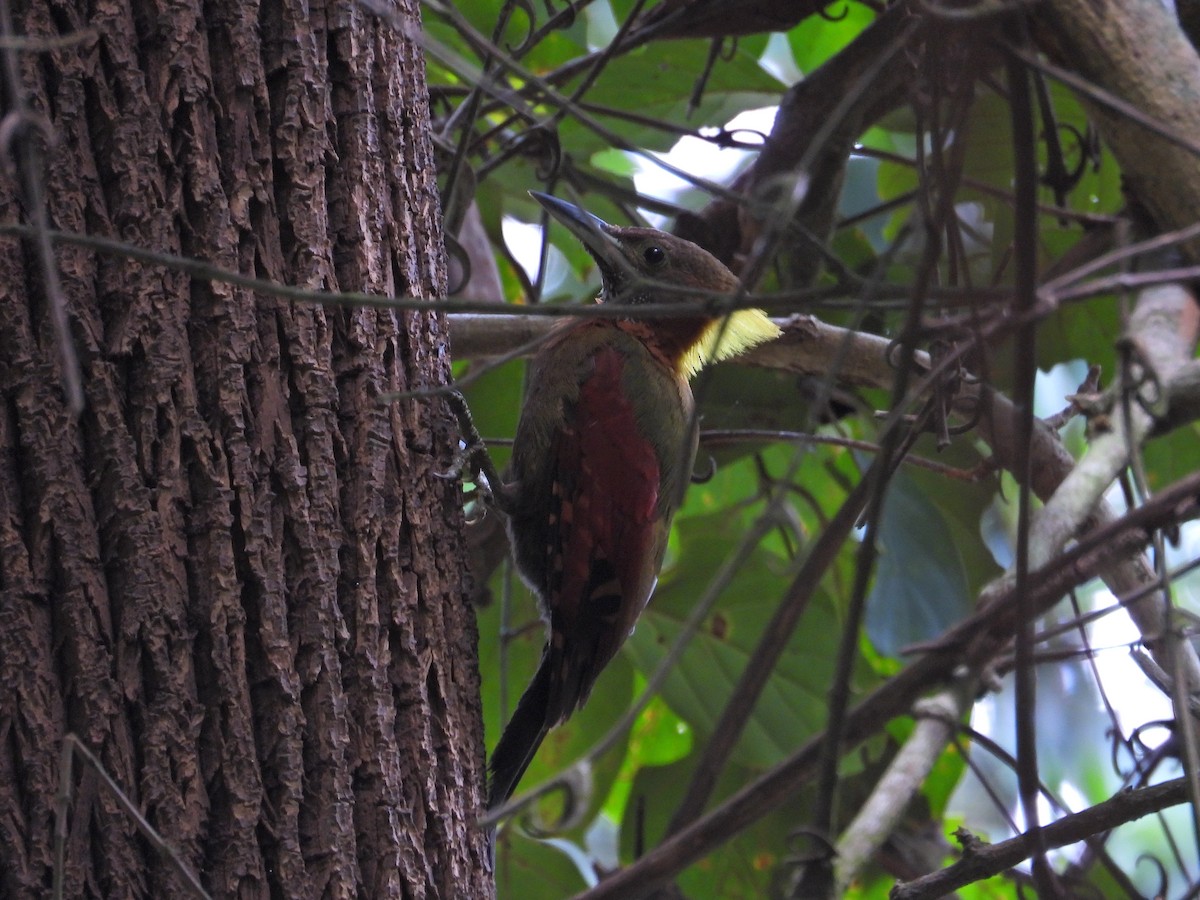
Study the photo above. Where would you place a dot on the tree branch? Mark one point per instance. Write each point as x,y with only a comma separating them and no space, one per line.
1136,51
981,860
937,718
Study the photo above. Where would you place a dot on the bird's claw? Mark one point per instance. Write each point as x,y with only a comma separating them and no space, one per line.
466,464
473,463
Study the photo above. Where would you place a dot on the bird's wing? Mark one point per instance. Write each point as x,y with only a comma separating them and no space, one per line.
606,493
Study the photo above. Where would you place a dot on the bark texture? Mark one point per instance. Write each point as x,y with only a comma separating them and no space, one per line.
236,575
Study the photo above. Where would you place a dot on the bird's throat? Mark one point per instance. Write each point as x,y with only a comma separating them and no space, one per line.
687,345
669,340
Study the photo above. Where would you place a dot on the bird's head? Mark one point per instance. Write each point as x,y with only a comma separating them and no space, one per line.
640,266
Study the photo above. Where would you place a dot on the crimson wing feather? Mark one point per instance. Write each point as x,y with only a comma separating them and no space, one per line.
608,533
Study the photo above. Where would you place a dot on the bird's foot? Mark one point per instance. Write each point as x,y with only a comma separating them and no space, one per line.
473,463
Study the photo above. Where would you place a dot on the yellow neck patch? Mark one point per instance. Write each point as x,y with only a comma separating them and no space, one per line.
728,336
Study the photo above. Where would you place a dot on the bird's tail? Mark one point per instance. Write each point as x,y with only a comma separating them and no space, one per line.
522,736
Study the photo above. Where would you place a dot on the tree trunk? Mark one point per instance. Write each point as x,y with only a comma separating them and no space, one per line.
234,575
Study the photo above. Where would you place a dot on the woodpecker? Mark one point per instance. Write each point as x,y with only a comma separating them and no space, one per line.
601,459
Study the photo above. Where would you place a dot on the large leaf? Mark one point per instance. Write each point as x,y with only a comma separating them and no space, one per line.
818,38
744,867
494,397
534,870
663,77
920,585
792,707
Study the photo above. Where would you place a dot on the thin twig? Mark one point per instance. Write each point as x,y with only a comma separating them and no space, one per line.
71,747
1025,374
22,138
981,860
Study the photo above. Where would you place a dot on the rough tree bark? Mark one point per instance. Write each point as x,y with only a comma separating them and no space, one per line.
235,575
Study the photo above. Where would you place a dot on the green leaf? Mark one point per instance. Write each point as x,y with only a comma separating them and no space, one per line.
920,585
1172,456
495,402
659,738
533,870
792,707
1086,331
743,867
818,38
663,78
615,161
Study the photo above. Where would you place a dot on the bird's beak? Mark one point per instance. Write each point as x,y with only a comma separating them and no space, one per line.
593,232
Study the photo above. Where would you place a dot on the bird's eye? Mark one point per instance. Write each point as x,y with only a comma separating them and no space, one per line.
654,255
